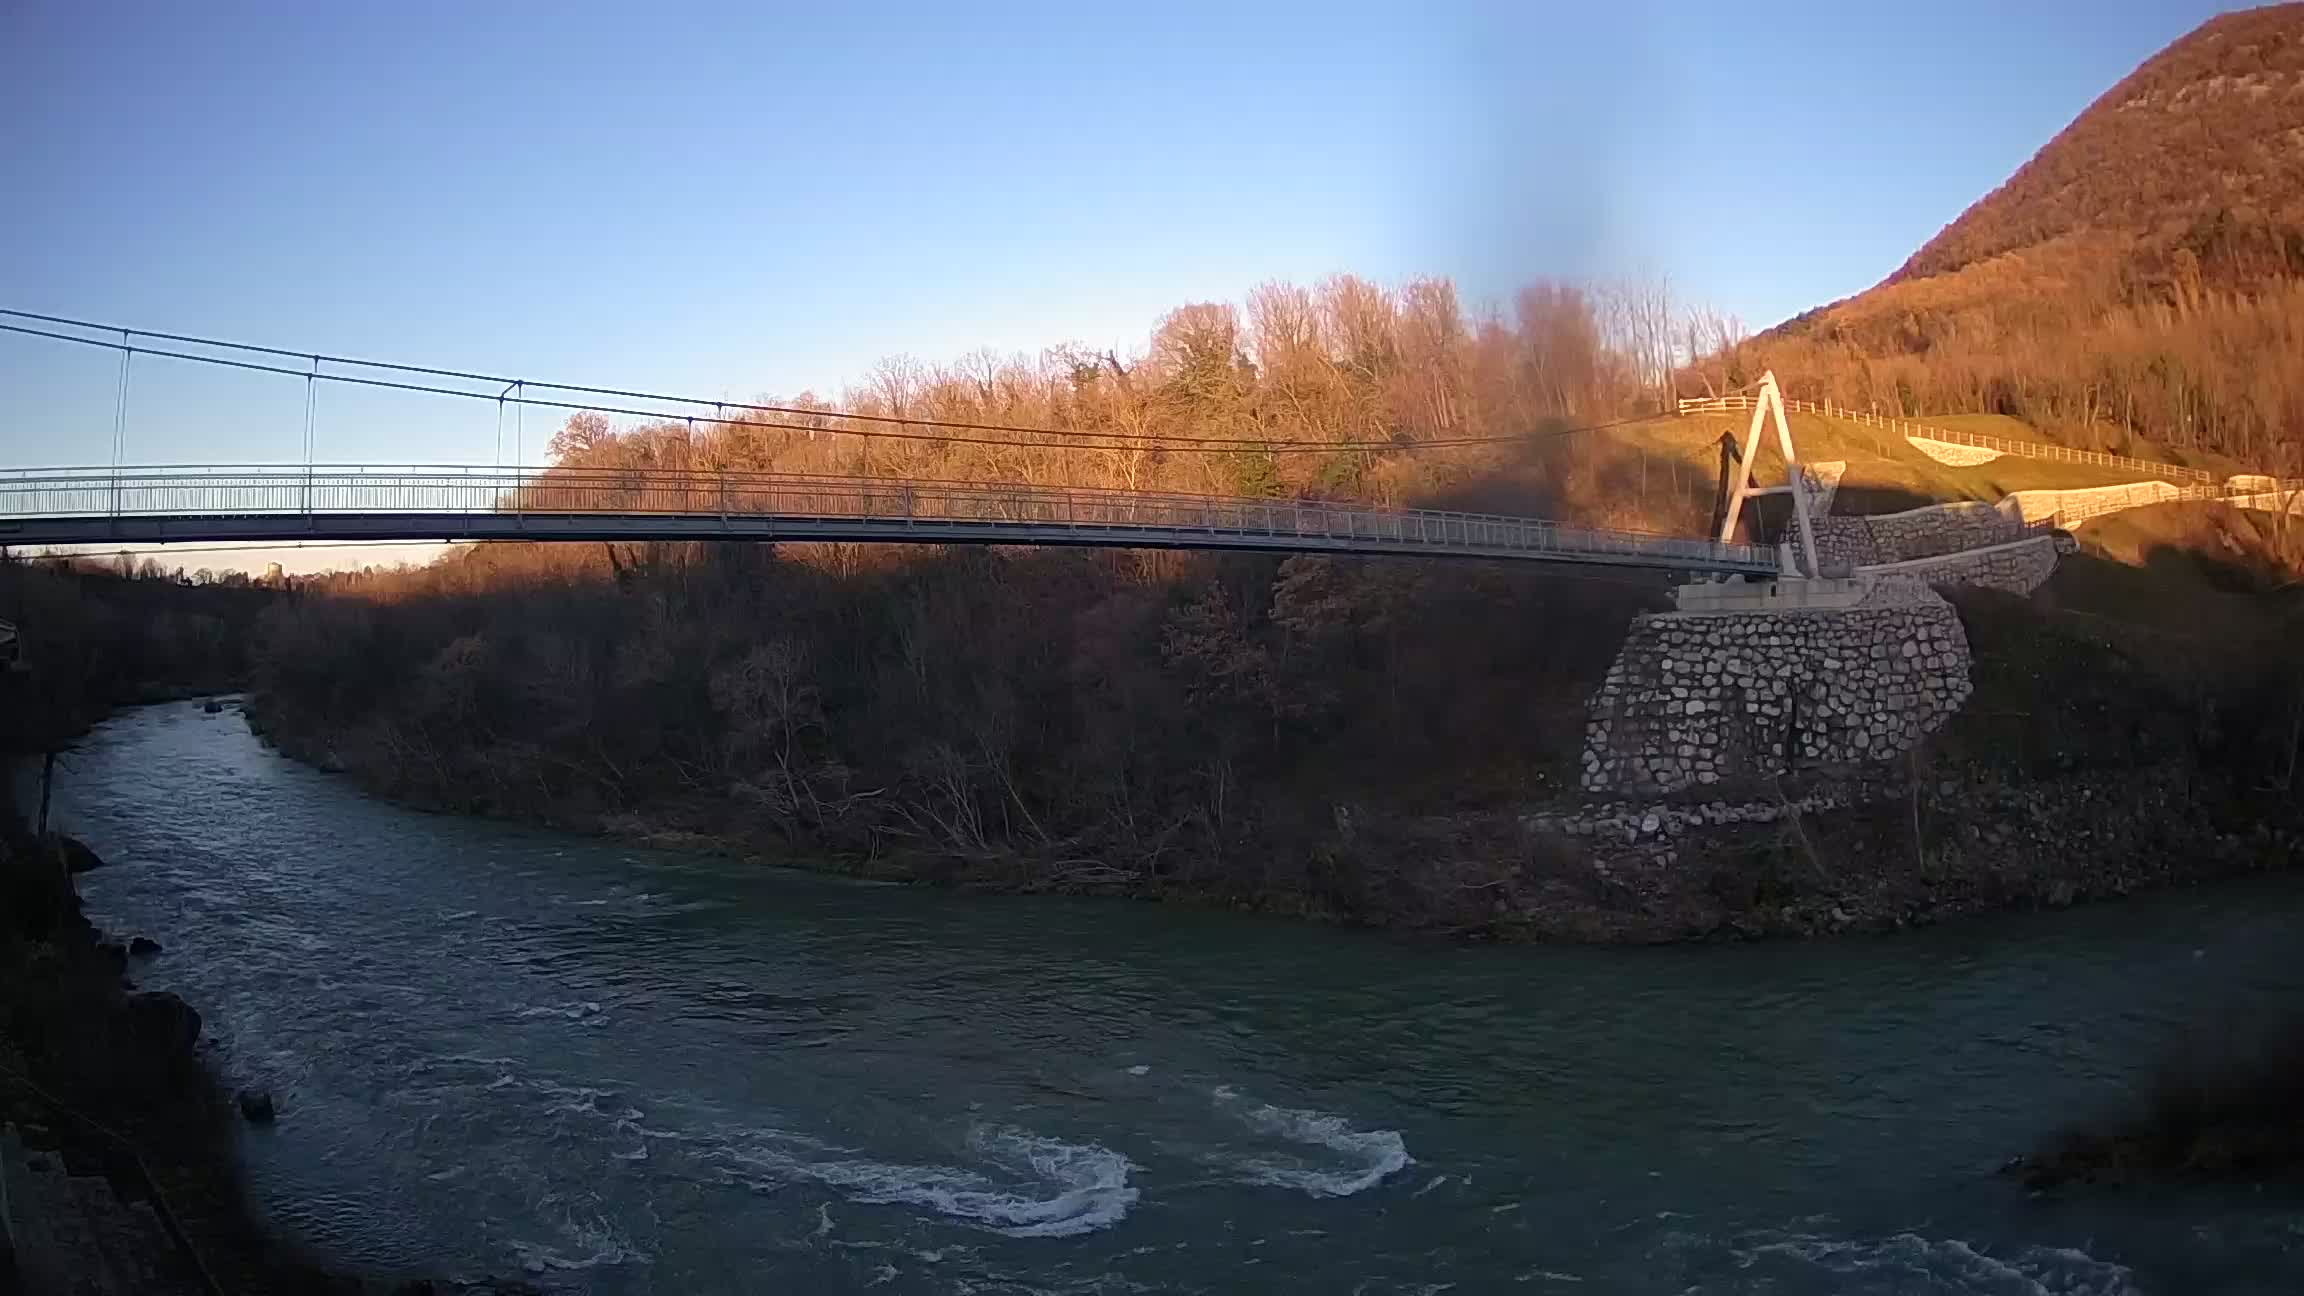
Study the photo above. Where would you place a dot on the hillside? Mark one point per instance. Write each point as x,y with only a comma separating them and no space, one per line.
2142,277
2200,150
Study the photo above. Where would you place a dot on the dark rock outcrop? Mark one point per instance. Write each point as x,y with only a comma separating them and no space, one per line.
163,1022
2210,1115
77,858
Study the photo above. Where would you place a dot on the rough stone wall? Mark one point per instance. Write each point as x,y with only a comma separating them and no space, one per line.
1952,453
2071,506
2018,568
1941,529
1719,701
1914,533
1634,821
1845,542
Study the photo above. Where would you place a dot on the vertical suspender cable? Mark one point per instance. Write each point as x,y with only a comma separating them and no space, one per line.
311,394
120,421
497,490
496,483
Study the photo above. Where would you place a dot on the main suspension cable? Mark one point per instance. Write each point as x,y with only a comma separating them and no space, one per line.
1097,439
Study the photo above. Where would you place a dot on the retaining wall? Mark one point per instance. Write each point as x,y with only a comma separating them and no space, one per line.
2270,501
1721,701
1952,453
2016,568
1936,529
2069,507
1924,532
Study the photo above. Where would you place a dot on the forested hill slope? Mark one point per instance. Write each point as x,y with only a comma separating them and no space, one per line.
2141,279
2201,149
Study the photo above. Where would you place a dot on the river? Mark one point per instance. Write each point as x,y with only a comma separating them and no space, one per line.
505,1050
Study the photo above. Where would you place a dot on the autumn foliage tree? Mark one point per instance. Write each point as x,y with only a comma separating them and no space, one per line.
1332,390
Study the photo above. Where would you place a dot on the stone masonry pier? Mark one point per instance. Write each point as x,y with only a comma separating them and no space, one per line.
1721,702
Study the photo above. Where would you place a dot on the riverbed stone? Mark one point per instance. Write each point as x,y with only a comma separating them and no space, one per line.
163,1021
257,1107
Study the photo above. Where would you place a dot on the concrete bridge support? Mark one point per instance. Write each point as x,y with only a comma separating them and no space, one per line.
1800,554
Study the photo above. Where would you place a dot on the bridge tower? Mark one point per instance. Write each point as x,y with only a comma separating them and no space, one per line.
1799,561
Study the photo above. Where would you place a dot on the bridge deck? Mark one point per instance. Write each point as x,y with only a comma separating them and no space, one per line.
146,505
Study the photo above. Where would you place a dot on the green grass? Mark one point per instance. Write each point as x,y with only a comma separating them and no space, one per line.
2109,439
1884,471
1999,425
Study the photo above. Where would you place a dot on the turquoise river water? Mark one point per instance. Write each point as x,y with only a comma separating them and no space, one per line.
506,1050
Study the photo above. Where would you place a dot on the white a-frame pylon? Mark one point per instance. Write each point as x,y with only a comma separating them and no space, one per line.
1770,403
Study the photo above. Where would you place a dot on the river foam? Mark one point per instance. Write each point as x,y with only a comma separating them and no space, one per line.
1911,1262
1089,1182
585,1240
1016,1183
1023,1185
1346,1161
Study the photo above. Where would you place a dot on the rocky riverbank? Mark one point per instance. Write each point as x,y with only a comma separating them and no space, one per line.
119,1139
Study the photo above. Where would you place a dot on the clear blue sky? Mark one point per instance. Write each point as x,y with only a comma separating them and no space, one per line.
741,198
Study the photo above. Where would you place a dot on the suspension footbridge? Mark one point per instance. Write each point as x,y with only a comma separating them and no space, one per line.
122,503
95,506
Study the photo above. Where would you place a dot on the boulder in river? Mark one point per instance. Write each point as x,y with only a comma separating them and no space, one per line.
213,707
77,857
143,947
163,1022
256,1105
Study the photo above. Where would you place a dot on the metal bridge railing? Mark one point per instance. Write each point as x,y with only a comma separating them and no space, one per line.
1010,513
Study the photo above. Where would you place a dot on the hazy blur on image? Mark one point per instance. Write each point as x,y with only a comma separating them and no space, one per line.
601,607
